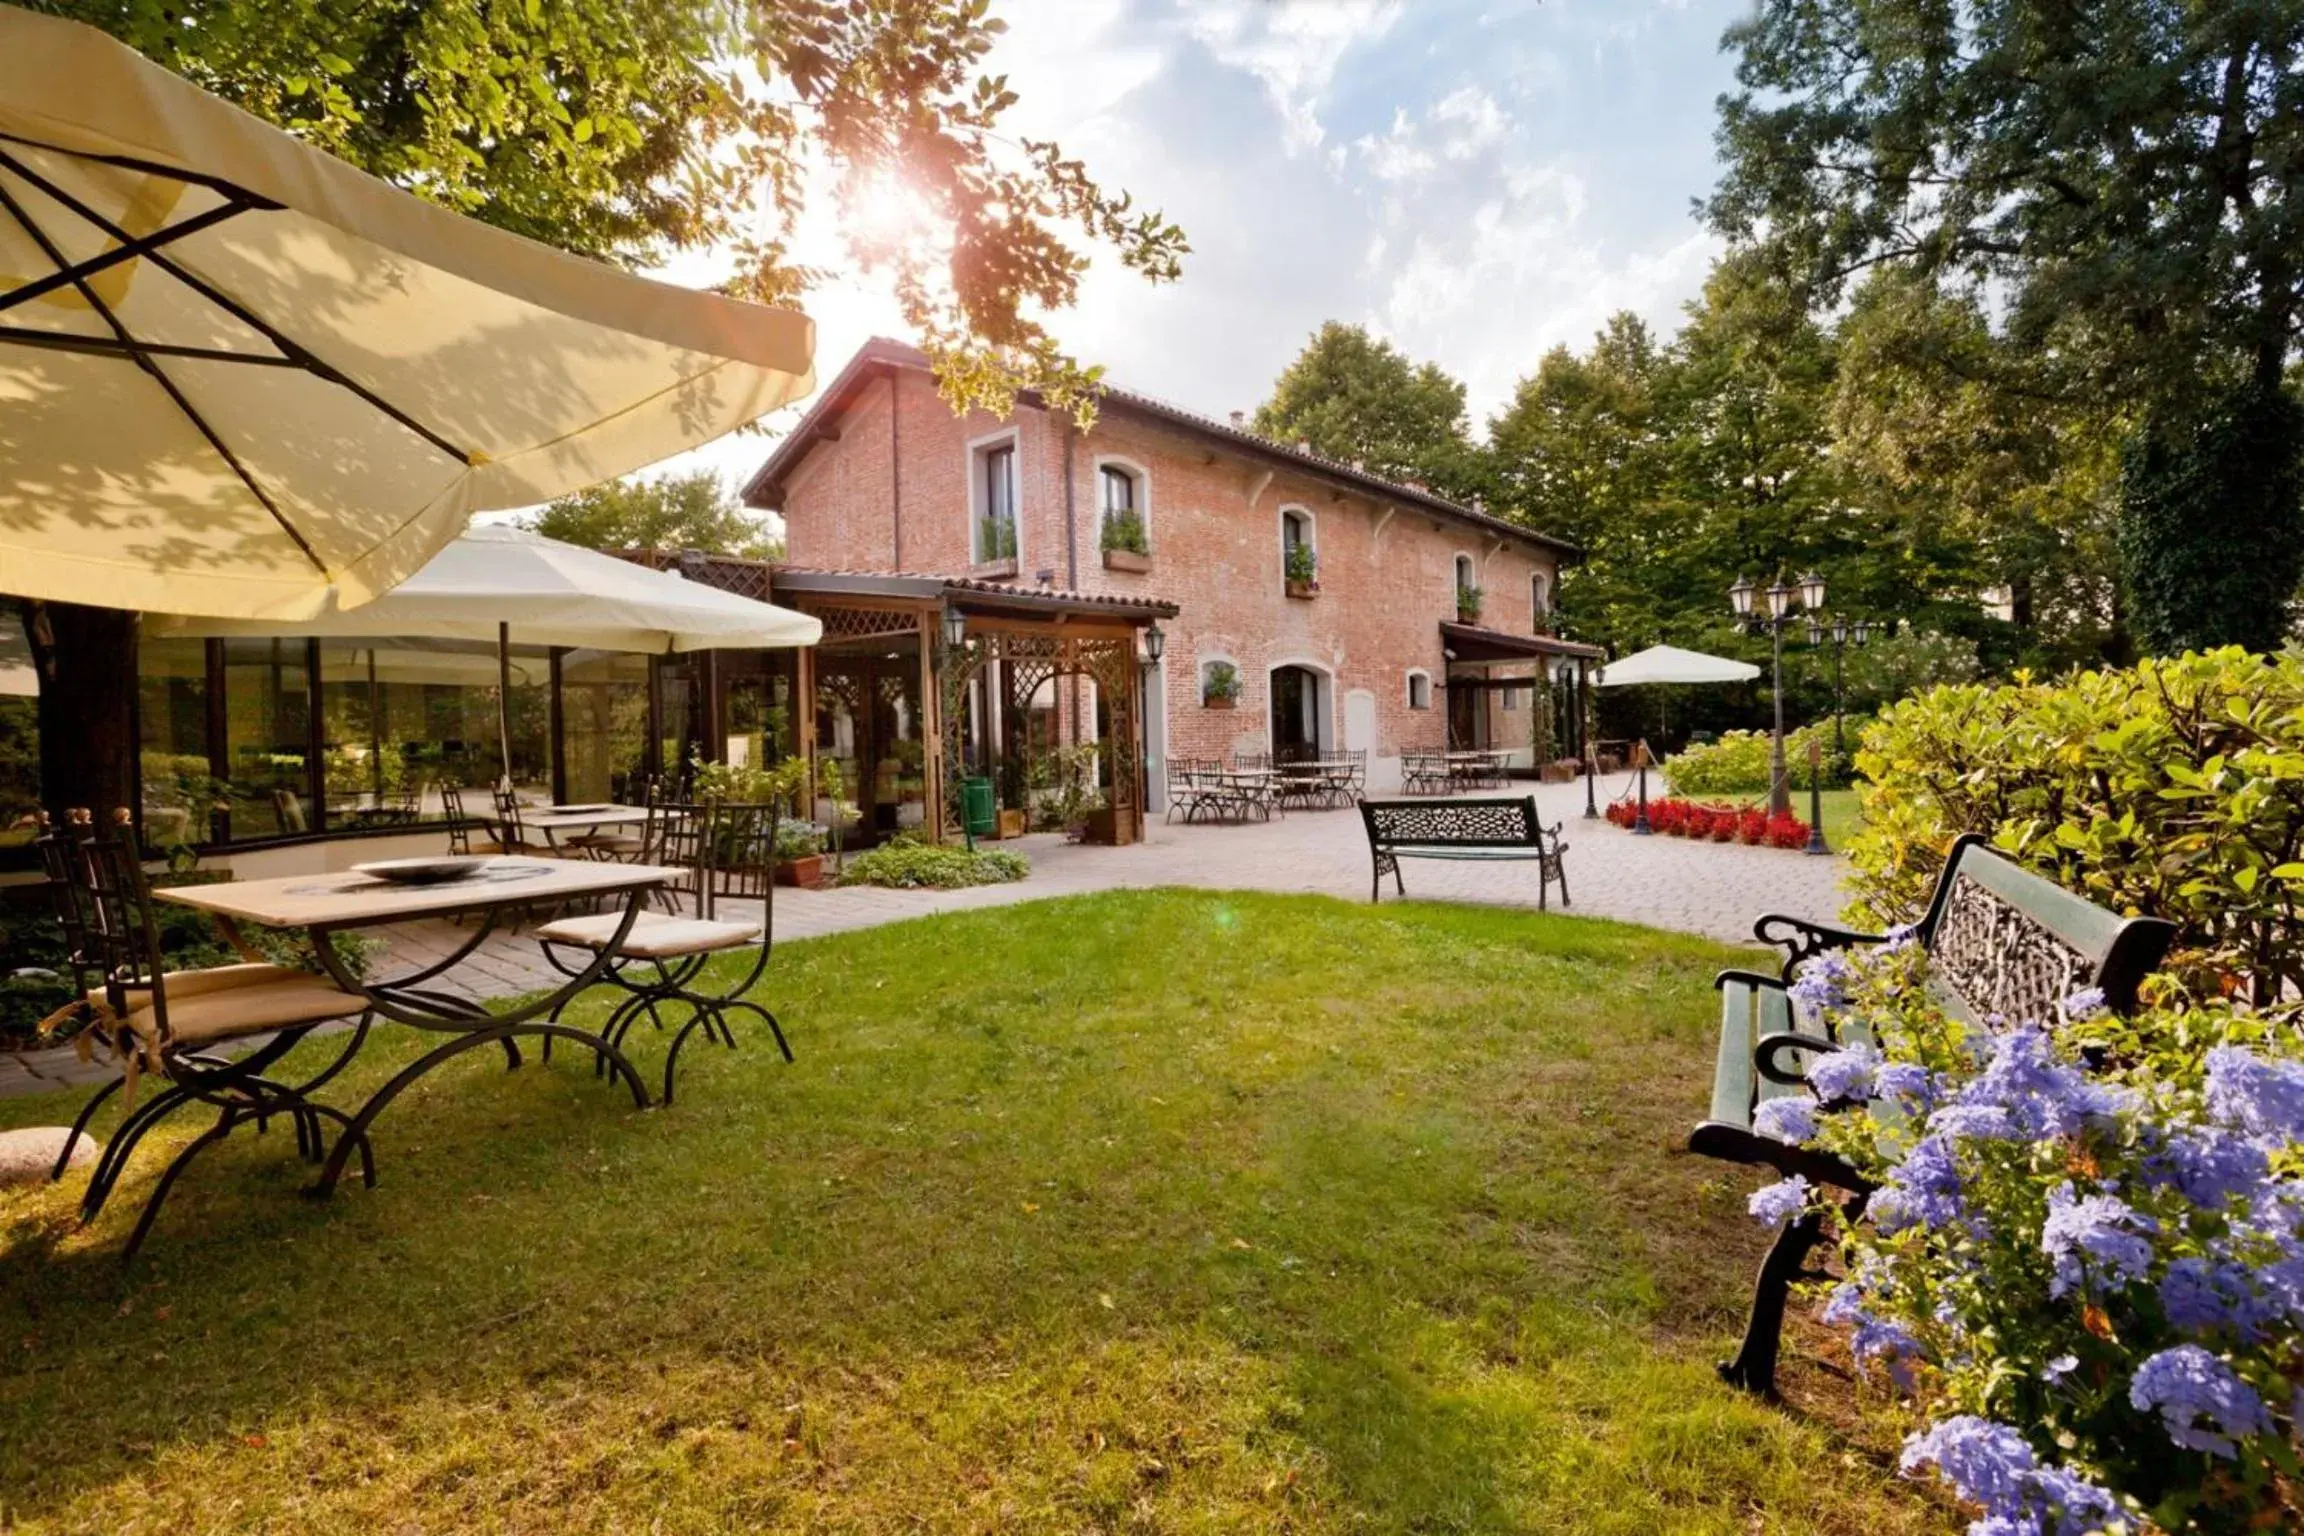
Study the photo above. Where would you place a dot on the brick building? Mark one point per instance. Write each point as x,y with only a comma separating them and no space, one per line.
1414,624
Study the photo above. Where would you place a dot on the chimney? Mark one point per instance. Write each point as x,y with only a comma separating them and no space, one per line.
1479,504
1303,445
1047,576
1239,421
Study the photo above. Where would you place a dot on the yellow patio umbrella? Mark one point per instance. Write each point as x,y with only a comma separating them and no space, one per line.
239,377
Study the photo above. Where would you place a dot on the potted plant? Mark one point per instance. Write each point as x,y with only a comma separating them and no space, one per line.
1126,548
1219,685
1011,822
1468,601
799,854
1302,570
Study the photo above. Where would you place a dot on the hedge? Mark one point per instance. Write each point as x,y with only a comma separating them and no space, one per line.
1737,764
2174,788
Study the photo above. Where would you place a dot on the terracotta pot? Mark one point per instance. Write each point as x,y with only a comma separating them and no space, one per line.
1011,824
1303,589
1220,703
1126,560
807,873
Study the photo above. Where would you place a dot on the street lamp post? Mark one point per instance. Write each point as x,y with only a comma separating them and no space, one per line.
1777,606
1842,632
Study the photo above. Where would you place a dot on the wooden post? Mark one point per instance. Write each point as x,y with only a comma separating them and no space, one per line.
86,658
932,766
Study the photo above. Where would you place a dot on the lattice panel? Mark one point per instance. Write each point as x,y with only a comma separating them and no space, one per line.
2000,960
1472,824
842,622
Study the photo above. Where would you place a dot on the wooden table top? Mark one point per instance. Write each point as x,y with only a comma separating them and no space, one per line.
351,900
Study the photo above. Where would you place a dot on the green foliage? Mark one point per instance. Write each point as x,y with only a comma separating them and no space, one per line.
1125,530
798,840
1302,564
629,132
1737,764
2212,523
2174,788
995,538
1219,680
1060,786
2117,181
677,512
911,866
749,783
1355,398
1469,601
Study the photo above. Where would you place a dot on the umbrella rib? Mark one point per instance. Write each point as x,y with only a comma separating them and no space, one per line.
68,341
120,253
303,356
144,360
216,184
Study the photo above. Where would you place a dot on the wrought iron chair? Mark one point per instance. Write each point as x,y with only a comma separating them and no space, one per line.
729,851
173,1022
459,825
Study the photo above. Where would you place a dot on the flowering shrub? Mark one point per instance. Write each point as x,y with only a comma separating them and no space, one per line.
2084,1254
2174,788
1737,764
1715,823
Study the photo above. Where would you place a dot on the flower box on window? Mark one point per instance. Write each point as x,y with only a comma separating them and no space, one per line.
1126,560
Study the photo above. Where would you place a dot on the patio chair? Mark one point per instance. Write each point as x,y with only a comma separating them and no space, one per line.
662,960
1192,787
512,832
288,807
175,1024
459,825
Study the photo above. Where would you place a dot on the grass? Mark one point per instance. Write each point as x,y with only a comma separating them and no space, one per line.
1164,1211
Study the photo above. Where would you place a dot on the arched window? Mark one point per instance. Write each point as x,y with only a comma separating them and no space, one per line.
1419,689
1299,549
1123,507
1540,597
1464,582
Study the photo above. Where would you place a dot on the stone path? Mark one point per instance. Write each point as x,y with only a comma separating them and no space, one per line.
1710,889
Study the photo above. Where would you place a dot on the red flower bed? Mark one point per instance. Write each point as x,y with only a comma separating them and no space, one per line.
1748,824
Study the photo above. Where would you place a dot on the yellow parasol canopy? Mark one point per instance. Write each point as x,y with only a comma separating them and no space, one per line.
239,377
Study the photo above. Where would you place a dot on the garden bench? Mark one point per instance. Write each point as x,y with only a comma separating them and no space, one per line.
1462,829
2001,942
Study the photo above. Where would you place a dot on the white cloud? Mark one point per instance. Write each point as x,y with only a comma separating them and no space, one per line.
1293,49
1472,122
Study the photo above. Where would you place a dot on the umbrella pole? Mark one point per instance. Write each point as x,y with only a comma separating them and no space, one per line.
504,701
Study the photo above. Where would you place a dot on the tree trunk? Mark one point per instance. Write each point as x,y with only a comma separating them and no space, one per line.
86,658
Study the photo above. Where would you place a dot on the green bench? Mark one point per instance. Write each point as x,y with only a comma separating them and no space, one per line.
2001,941
1462,829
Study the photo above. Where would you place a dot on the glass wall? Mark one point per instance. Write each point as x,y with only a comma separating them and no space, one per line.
402,718
19,733
268,736
604,725
181,798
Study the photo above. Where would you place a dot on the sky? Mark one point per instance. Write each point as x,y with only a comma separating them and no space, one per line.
1474,180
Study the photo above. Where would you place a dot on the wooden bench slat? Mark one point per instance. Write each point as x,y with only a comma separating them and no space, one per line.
1733,1075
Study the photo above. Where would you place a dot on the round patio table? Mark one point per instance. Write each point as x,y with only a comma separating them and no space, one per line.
325,905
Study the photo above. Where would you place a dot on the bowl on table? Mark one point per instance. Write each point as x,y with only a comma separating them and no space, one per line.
432,871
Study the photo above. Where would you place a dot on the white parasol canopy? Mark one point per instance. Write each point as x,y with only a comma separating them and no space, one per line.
1671,664
546,593
240,377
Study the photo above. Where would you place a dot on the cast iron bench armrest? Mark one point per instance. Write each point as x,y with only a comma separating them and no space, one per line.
1770,1047
1805,939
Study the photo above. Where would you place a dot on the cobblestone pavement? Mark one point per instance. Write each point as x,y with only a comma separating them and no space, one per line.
1703,888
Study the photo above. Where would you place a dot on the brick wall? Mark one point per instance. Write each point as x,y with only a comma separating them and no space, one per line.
1387,572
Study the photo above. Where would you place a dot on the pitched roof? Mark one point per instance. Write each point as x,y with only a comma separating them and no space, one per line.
881,356
805,579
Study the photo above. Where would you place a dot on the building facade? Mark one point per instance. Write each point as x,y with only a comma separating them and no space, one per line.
1320,608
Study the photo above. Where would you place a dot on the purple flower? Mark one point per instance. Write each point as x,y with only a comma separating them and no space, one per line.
1779,1202
1845,1074
2263,1098
2186,1385
2210,1166
1984,1122
1908,1083
2042,1095
1992,1465
2060,1367
1787,1119
1924,1190
1823,982
1869,1337
2096,1237
2203,1295
2086,1003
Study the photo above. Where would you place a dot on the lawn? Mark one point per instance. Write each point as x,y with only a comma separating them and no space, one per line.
1155,1211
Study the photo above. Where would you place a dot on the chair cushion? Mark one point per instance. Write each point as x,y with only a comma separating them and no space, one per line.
230,1000
653,937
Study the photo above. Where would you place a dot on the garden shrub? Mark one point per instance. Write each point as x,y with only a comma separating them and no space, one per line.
1737,764
2085,1254
2174,788
909,865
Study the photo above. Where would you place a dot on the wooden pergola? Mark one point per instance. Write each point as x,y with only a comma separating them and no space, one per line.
913,661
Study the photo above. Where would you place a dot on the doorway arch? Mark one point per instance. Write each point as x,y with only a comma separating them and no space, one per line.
1301,710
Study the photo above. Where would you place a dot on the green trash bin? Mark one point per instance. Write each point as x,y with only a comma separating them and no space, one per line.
977,812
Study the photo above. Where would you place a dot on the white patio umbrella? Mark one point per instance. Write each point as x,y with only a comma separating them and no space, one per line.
498,583
1671,664
239,377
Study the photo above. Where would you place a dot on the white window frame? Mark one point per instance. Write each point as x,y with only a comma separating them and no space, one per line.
978,450
1311,520
1458,569
1416,675
1134,471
